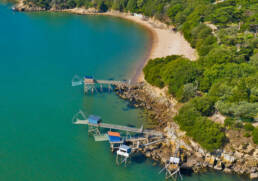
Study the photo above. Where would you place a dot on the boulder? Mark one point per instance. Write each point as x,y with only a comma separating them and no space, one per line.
227,170
237,169
255,153
254,175
249,150
218,166
227,159
148,154
210,160
238,154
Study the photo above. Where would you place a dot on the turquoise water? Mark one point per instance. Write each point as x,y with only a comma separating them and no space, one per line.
39,55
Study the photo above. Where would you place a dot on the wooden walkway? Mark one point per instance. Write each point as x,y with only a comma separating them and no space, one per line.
111,82
119,127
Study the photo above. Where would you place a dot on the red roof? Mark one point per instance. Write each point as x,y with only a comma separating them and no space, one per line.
110,133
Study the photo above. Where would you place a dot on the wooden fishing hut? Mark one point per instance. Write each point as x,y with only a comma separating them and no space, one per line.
89,84
115,140
122,154
89,80
93,125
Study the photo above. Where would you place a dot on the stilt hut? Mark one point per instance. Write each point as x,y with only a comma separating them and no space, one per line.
94,119
124,151
114,140
89,80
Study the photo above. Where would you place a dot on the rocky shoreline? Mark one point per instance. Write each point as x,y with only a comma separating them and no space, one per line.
240,159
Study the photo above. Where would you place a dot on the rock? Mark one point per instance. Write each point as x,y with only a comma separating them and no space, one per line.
227,170
198,155
210,160
218,167
205,164
249,149
255,153
191,162
238,154
253,169
148,154
237,169
254,175
227,160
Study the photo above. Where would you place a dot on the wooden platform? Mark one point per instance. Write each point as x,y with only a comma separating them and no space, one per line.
102,137
119,127
111,82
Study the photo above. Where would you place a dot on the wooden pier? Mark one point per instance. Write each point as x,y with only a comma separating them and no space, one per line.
94,85
120,128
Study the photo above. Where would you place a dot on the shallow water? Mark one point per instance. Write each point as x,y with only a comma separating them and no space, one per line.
39,55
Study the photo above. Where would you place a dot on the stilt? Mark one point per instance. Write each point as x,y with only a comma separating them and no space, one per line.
122,154
174,175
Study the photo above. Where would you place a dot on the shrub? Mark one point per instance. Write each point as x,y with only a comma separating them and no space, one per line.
204,104
229,122
248,127
153,70
247,135
186,92
255,135
178,73
209,134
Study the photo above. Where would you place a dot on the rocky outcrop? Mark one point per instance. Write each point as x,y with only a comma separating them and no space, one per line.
239,159
25,6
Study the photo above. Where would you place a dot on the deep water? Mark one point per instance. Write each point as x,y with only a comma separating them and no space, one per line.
39,55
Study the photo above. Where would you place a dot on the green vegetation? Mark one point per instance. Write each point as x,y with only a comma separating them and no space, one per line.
249,127
225,76
223,79
210,135
255,135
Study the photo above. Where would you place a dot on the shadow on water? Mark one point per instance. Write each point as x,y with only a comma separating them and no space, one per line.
186,171
130,125
139,158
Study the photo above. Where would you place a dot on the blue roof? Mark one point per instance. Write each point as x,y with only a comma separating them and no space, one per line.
94,119
114,138
88,77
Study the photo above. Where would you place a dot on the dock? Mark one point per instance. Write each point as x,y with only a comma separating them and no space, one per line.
96,85
120,127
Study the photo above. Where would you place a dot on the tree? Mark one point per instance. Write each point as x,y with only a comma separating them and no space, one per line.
102,6
204,104
248,127
174,9
187,92
131,5
242,110
179,72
